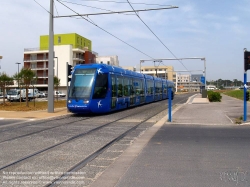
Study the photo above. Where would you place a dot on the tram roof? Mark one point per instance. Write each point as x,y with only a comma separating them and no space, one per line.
109,68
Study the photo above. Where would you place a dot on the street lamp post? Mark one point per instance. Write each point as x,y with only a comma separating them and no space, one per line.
18,73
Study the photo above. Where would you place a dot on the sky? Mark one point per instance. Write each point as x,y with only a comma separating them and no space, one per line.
217,30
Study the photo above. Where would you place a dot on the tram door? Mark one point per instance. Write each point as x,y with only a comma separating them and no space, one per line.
113,92
132,92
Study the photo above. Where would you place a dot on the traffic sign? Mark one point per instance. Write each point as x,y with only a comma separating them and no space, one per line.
203,79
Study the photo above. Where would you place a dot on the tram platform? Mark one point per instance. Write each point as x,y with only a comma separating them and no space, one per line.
151,162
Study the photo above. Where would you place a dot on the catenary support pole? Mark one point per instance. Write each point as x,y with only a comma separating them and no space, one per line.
51,61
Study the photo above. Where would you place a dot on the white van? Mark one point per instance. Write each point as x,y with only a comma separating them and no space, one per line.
33,93
211,87
15,94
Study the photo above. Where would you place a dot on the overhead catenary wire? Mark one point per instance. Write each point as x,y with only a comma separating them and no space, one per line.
56,9
155,34
104,29
92,22
86,6
125,2
45,8
42,6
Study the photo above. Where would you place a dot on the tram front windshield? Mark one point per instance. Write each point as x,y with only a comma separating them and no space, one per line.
82,83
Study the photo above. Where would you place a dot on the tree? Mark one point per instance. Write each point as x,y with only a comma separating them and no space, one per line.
56,84
26,76
5,81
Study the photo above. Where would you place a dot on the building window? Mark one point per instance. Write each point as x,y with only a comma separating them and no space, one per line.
59,39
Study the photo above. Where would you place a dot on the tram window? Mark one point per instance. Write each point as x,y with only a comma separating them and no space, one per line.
126,87
157,88
120,86
81,84
164,87
138,86
160,87
150,87
114,87
132,92
101,86
142,87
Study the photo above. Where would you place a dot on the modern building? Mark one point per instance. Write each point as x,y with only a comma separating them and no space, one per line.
188,83
166,72
196,77
183,78
68,48
131,68
110,60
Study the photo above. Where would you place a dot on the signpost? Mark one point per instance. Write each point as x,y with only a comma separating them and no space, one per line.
169,104
203,80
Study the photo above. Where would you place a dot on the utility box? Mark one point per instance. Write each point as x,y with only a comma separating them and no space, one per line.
204,93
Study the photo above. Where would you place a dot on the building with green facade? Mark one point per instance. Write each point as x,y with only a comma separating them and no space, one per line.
74,39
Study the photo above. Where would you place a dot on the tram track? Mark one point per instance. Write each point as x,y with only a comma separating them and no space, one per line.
42,130
18,126
39,131
149,107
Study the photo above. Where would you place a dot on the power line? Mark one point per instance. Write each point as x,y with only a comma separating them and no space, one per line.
87,6
114,12
104,30
154,33
42,6
125,2
56,9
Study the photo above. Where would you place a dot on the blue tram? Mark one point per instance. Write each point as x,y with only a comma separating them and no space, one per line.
100,88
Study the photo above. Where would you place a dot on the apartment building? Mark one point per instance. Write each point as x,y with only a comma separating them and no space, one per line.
166,72
68,48
183,78
188,83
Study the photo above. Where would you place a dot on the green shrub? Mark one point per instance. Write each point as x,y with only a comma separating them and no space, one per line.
214,96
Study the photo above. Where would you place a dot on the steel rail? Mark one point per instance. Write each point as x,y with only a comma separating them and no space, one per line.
66,141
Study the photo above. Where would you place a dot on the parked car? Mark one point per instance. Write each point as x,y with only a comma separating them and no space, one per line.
59,94
41,94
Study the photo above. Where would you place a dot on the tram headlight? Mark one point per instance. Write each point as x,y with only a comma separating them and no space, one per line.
86,101
69,101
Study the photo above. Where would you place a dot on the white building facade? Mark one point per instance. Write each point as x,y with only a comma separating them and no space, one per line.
109,60
37,60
